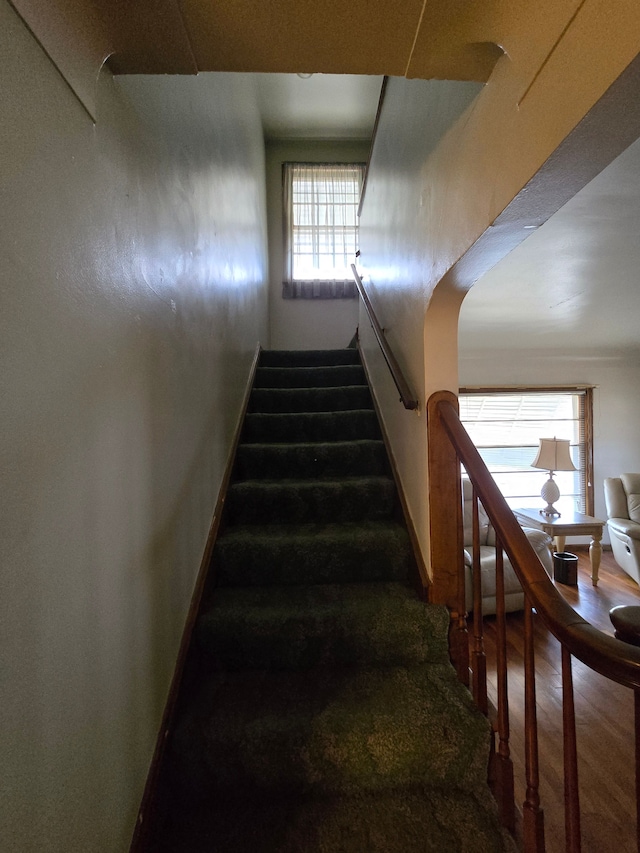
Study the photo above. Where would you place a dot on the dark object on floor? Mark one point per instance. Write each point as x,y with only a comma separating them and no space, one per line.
625,618
565,568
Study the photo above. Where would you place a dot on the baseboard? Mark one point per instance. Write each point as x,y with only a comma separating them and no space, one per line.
145,817
423,574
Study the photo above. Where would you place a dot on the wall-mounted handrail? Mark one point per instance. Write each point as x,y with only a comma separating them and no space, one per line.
408,400
365,181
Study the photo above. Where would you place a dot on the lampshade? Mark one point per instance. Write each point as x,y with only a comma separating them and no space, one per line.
554,455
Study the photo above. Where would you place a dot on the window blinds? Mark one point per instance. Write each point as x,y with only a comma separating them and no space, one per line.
506,426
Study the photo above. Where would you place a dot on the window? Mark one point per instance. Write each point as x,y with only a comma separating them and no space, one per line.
321,229
506,425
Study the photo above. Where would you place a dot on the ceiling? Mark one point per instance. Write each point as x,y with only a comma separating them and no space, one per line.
413,38
575,282
321,106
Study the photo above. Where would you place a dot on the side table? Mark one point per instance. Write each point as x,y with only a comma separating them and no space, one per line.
568,524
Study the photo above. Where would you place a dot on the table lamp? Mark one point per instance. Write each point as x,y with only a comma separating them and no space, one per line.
553,455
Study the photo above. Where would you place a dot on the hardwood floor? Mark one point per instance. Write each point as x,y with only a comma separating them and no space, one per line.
604,715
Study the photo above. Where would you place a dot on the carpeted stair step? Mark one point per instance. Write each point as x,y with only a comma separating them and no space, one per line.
309,377
412,820
311,459
311,426
343,398
254,555
346,731
320,713
304,501
308,358
337,625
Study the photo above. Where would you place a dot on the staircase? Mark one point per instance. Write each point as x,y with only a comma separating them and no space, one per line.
321,712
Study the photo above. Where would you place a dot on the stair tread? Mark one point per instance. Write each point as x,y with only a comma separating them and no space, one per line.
308,483
278,358
342,596
349,413
314,445
319,499
328,399
334,530
313,553
376,624
359,457
412,820
349,730
309,376
306,427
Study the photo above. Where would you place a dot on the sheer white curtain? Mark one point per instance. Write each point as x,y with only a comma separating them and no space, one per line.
321,229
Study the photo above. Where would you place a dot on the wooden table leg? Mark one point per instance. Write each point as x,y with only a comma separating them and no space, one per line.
595,554
560,543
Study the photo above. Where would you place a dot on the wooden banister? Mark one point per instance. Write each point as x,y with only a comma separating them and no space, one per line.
409,401
604,654
615,660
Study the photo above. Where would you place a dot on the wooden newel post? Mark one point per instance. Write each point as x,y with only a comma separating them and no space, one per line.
446,531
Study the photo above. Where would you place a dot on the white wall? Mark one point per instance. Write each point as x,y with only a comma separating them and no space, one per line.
616,405
133,282
399,218
305,323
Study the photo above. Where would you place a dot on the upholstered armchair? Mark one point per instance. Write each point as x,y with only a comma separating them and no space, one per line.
622,500
514,596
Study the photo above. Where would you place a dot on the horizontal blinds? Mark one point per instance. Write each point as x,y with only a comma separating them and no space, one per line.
506,426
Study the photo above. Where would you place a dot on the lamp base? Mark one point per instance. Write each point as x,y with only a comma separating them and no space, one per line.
550,511
550,493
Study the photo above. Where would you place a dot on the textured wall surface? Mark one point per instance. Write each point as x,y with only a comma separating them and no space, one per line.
133,289
399,230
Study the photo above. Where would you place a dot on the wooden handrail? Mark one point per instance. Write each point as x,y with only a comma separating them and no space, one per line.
604,654
406,397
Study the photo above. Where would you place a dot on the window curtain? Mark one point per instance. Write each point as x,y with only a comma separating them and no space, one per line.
320,229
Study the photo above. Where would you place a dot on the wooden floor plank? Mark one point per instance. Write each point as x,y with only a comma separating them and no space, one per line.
604,718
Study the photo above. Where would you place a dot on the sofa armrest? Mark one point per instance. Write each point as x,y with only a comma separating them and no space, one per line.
538,538
541,543
626,526
615,498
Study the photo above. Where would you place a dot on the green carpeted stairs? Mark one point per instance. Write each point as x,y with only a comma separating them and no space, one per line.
320,712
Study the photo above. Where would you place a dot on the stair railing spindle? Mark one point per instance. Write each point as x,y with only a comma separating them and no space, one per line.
636,705
504,765
571,792
533,815
479,657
